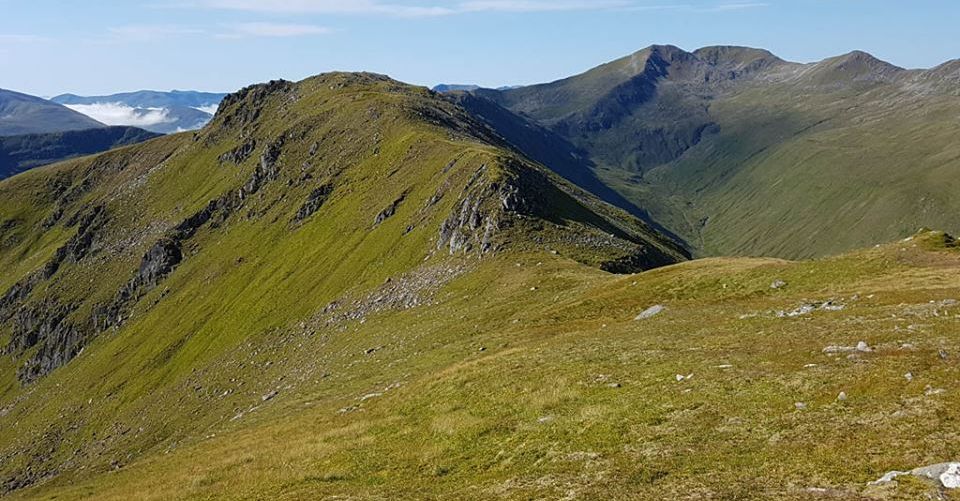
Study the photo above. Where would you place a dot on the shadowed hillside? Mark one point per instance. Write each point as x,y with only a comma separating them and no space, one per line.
20,153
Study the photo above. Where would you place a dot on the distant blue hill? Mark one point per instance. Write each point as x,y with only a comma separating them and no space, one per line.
25,114
444,88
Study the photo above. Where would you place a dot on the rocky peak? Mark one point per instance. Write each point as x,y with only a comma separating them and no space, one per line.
735,58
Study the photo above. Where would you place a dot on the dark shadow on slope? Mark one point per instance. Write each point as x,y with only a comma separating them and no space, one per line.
21,153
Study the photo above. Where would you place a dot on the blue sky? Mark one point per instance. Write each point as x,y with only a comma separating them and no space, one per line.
49,47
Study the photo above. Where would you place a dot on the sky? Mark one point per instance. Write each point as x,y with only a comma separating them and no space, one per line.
49,47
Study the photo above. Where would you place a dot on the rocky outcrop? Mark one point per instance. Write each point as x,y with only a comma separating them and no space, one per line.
644,258
945,475
239,154
59,339
88,224
29,324
159,261
48,325
475,220
317,198
245,106
267,170
388,212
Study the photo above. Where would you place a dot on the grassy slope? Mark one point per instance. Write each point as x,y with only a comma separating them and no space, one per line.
529,378
224,329
808,177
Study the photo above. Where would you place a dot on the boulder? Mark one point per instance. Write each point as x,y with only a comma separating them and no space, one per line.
651,312
947,475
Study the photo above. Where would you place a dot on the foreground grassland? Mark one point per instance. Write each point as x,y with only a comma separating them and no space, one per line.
528,377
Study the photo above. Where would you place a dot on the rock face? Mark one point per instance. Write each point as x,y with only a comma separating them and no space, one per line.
389,211
497,205
267,170
46,323
254,98
476,219
316,200
159,262
239,154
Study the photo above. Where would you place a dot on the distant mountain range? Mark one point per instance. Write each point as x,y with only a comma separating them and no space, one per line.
25,114
737,151
445,88
162,112
35,132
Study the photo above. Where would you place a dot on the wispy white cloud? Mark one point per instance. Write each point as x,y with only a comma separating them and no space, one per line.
436,8
21,39
243,30
397,9
210,108
121,114
538,5
150,32
727,7
153,33
327,7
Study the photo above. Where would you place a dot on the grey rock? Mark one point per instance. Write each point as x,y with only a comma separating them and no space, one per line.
239,154
389,211
946,475
314,202
651,312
